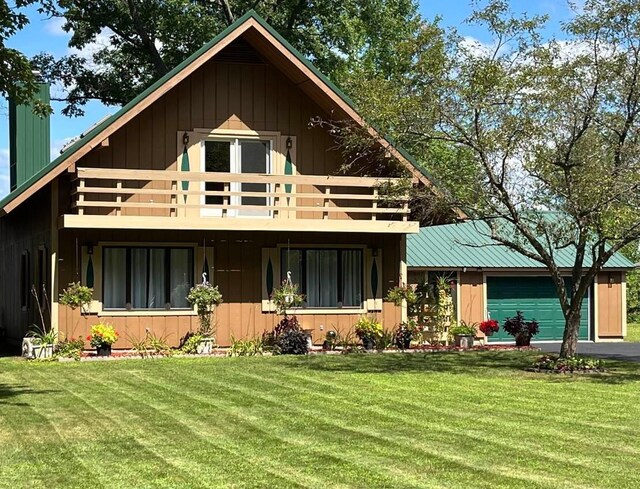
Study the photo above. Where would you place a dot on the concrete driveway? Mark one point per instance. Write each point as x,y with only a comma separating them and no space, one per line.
615,351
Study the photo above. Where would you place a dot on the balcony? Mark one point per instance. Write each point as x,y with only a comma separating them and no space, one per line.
165,199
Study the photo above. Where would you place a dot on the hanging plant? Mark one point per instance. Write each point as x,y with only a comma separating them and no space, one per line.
75,296
287,297
205,297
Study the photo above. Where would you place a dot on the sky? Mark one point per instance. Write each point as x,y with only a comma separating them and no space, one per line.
46,35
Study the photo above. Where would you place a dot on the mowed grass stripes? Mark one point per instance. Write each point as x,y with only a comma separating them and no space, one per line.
397,421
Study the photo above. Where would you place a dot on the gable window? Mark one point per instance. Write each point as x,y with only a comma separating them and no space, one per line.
146,277
327,277
236,156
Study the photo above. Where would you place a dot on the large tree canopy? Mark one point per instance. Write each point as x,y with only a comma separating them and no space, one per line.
17,81
547,132
143,40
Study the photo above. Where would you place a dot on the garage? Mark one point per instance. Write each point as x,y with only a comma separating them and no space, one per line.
537,299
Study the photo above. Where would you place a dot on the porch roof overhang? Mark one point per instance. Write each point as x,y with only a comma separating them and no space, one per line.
73,221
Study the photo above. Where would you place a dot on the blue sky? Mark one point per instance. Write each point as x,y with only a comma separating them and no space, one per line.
46,35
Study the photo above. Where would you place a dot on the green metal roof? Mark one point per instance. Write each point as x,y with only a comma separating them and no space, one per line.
110,120
469,245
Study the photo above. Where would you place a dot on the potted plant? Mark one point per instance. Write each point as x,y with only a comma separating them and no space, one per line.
39,340
288,337
521,329
369,330
39,343
102,337
489,327
205,297
405,333
463,334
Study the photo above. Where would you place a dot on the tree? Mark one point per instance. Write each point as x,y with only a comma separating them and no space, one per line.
143,40
548,130
17,80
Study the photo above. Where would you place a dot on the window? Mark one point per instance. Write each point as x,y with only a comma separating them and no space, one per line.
244,156
327,277
41,283
25,293
146,278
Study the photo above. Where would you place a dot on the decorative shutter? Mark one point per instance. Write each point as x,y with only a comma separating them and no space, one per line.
373,279
91,275
288,168
270,276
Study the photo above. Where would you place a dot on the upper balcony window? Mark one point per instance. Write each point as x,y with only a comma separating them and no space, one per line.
237,156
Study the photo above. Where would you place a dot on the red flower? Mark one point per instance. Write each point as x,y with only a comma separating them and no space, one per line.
89,338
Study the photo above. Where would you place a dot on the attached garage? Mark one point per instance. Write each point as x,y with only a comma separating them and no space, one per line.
495,282
537,299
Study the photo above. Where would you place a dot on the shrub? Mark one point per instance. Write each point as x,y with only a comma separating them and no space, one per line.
70,348
287,338
76,295
245,348
293,342
553,363
190,343
386,339
489,327
521,329
102,334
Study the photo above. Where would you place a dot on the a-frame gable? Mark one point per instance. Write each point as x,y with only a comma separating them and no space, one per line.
272,46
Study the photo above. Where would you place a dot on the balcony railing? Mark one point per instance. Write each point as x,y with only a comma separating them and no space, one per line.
165,193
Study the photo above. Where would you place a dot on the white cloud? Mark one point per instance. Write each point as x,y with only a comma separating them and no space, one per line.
58,144
4,172
101,41
476,48
54,25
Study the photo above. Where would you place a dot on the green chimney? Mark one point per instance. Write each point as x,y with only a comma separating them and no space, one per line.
29,145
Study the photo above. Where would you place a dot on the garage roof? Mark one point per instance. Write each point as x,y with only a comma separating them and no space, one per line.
468,244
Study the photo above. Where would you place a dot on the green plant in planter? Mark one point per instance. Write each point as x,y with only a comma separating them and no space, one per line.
462,329
191,342
75,296
521,329
369,330
101,337
205,297
406,332
286,297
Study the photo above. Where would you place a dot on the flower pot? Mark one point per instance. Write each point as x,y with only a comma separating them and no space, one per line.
205,346
405,343
488,333
523,340
464,341
368,343
103,350
43,351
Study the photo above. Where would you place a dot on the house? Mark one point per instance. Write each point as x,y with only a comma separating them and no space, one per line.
211,174
492,281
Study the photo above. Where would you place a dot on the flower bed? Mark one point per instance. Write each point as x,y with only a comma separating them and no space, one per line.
554,364
224,352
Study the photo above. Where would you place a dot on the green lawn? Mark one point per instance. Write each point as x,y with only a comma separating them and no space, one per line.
633,332
445,420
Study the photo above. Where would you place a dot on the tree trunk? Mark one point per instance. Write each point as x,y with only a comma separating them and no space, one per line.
571,332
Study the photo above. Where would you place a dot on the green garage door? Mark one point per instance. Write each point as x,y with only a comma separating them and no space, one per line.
537,299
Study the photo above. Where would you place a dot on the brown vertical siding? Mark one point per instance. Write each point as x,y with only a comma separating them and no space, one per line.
471,297
610,303
25,229
237,271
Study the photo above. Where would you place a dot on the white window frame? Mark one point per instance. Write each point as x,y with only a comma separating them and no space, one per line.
235,167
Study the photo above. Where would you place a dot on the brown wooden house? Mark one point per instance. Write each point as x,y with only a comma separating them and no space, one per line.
213,172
